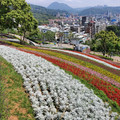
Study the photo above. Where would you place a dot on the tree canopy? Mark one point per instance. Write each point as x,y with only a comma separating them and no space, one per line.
16,14
38,36
115,29
43,14
105,42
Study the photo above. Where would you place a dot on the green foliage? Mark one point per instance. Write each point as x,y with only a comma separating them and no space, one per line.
43,14
39,37
60,6
70,36
16,14
12,11
29,23
6,31
49,36
104,57
115,29
42,18
105,42
100,10
2,98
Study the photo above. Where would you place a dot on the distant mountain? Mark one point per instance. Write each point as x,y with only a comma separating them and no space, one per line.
60,6
85,10
100,10
43,14
81,9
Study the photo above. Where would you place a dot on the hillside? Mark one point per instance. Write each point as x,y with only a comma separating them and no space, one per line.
42,14
60,6
84,10
100,10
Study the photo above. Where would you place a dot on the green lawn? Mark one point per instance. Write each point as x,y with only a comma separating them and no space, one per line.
14,102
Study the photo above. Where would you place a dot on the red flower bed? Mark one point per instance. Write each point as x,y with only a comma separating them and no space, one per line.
112,92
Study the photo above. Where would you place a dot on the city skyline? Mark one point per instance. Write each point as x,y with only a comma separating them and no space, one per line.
76,3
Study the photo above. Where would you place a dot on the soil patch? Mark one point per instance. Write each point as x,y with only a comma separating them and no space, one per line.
13,118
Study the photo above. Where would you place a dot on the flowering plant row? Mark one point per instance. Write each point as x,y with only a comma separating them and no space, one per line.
92,72
53,93
95,57
79,62
112,92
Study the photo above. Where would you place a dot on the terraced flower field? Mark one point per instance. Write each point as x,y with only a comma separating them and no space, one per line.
83,91
108,89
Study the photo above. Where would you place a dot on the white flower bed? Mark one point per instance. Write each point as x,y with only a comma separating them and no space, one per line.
53,93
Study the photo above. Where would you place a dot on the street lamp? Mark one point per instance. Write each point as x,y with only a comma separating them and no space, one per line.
44,31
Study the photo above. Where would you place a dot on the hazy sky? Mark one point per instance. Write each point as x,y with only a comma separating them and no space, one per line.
77,3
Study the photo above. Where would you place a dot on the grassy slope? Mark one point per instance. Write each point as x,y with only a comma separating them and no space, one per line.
14,102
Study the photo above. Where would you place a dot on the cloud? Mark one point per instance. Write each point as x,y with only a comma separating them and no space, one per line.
77,3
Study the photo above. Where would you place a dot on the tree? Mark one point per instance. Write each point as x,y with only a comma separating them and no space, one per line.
50,36
38,36
117,47
28,23
17,14
70,36
105,42
34,35
4,9
115,29
61,35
